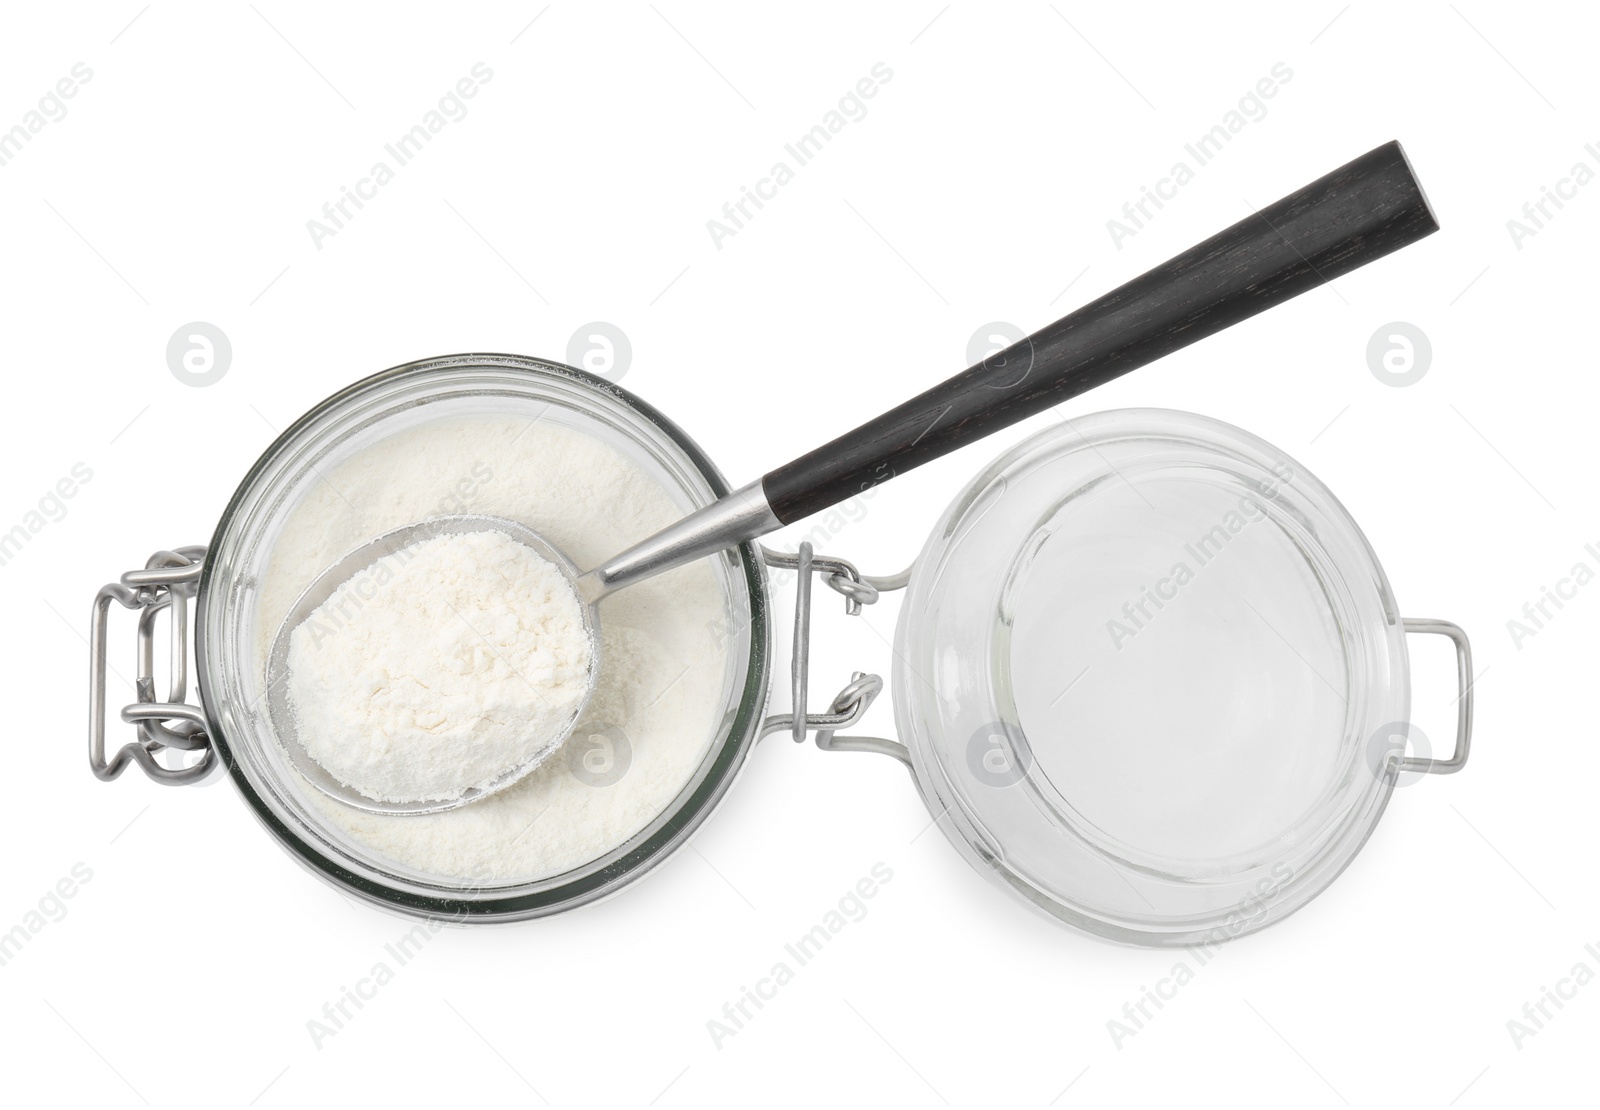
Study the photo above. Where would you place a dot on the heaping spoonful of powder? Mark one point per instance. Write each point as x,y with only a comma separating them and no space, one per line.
440,667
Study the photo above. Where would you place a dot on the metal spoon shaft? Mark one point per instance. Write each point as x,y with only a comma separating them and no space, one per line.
741,515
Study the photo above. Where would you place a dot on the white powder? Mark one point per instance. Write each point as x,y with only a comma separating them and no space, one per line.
440,668
663,682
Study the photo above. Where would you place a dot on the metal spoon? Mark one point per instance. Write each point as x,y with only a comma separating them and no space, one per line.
1359,212
356,563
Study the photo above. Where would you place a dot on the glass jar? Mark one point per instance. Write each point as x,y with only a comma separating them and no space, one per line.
228,641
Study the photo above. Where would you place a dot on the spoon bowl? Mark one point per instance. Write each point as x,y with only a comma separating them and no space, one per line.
367,558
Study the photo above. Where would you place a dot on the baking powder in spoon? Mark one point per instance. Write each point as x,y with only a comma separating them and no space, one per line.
441,668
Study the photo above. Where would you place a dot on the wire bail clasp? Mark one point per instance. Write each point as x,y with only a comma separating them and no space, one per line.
857,696
168,581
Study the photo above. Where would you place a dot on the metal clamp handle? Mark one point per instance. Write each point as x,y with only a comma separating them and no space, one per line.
1463,701
852,702
168,581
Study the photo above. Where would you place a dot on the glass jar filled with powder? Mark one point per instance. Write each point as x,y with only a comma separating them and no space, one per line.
677,699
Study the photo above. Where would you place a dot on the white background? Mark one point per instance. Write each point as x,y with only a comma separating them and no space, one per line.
978,187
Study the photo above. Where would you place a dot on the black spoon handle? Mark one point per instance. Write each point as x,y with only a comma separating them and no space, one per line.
1357,213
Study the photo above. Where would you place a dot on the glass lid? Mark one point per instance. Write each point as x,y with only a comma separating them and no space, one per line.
1138,669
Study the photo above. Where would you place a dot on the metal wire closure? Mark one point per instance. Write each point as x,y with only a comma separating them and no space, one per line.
852,702
167,582
1464,676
